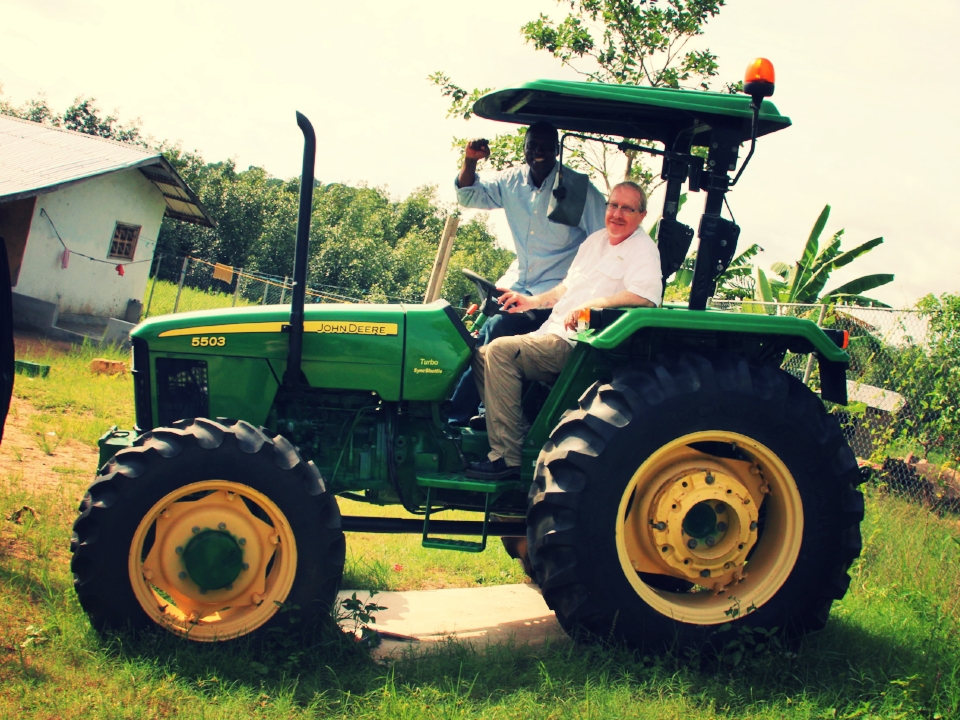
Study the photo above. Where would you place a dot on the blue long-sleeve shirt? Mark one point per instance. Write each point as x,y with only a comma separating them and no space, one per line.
544,249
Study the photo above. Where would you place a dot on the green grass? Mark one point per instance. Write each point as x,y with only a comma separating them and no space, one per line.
73,402
165,296
891,649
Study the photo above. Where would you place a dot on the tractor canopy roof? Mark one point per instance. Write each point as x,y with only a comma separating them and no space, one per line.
672,117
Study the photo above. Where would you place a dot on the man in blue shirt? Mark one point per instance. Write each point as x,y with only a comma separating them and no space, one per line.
544,249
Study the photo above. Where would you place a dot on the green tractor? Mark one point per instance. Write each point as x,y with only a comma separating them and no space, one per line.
674,479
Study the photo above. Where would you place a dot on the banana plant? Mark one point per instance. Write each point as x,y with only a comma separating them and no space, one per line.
803,282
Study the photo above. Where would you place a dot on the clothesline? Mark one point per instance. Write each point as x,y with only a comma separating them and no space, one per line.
68,252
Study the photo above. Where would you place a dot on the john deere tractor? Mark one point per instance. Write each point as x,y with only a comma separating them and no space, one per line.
674,479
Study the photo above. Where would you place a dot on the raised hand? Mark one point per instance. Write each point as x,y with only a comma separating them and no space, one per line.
478,149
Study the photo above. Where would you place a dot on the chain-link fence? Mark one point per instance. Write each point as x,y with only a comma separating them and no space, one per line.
181,284
894,419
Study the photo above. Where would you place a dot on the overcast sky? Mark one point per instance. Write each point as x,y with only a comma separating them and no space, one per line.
866,84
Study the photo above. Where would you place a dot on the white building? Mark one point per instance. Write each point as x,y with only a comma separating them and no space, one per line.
75,211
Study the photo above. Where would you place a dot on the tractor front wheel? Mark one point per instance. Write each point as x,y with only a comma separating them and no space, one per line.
207,529
692,493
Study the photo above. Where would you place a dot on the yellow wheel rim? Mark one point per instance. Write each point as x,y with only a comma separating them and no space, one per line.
234,515
730,528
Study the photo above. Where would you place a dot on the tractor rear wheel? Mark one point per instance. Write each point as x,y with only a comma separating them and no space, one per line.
207,529
690,493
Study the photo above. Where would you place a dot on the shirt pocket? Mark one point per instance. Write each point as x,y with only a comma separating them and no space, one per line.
612,270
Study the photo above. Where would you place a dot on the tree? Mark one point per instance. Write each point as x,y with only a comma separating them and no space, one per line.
83,116
637,42
927,374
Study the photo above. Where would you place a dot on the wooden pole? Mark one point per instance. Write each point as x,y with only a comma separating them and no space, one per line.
153,285
183,276
809,369
442,260
236,290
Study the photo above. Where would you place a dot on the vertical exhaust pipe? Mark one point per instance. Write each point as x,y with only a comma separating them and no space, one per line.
292,375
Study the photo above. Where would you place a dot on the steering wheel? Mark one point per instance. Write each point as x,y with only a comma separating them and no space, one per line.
488,293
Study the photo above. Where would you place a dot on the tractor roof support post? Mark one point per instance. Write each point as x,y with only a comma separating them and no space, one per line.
718,236
292,375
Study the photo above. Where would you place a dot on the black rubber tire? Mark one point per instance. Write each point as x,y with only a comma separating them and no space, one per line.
584,469
197,450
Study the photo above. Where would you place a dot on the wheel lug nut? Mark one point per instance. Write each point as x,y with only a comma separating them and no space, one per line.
721,526
661,525
710,479
179,550
720,508
710,541
691,543
182,575
245,566
242,541
704,573
196,530
222,526
753,525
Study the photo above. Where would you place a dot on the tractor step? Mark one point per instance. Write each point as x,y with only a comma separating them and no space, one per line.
491,489
448,481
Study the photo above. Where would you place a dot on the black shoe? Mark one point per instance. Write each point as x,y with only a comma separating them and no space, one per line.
492,470
478,423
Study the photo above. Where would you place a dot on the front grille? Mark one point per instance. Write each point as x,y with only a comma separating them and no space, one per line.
182,389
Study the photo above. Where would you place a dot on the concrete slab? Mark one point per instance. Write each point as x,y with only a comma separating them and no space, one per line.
479,616
117,332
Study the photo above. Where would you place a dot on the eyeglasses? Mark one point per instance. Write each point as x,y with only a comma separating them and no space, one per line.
625,209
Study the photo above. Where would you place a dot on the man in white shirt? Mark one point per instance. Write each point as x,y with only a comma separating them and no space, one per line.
615,267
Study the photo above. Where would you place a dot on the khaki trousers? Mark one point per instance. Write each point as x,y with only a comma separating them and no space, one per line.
500,370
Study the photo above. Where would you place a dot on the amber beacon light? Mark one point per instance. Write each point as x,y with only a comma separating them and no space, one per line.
759,79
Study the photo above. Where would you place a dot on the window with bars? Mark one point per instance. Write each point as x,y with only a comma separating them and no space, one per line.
124,243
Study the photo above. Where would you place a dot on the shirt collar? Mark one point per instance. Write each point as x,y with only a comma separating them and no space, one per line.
547,181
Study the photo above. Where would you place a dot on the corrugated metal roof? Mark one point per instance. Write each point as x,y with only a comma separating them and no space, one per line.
37,159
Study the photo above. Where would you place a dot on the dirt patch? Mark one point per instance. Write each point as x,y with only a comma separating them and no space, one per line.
34,343
28,467
23,462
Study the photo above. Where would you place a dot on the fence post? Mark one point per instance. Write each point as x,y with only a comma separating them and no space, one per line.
236,290
153,285
183,276
283,289
435,284
809,370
